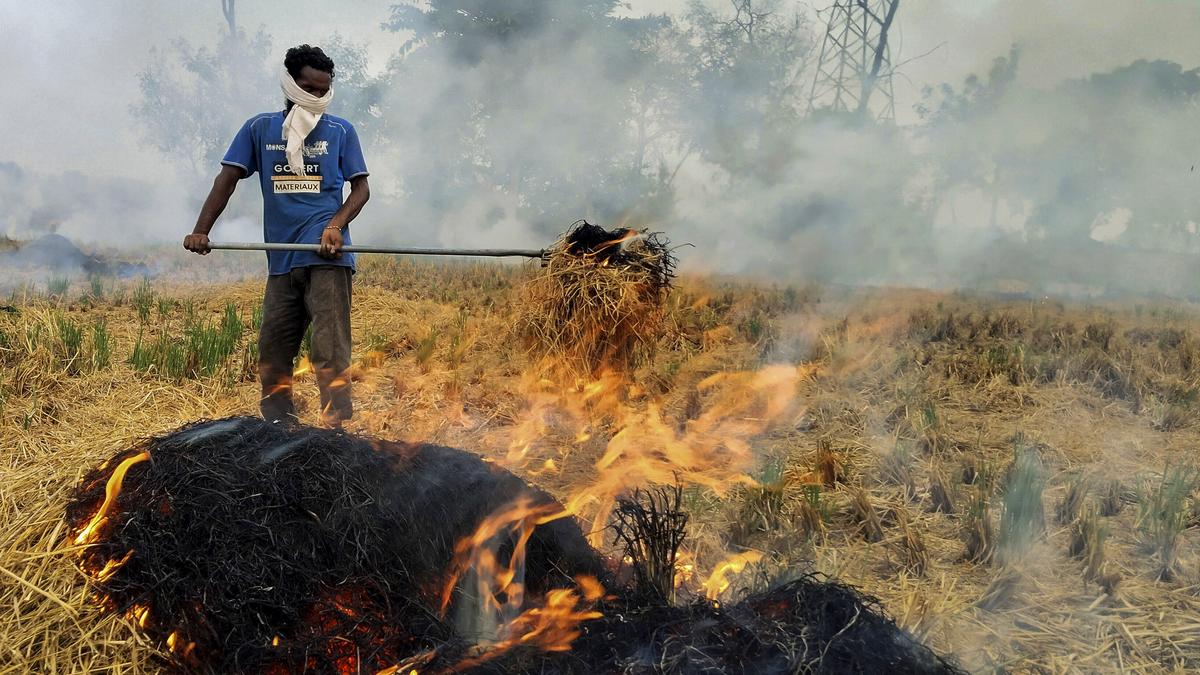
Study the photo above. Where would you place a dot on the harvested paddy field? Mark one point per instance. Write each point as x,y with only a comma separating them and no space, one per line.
1012,478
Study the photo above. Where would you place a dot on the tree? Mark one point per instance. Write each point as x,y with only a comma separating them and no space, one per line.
194,98
743,108
1088,148
469,28
523,108
968,135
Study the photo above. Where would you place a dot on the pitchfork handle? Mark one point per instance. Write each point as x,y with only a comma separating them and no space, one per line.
315,248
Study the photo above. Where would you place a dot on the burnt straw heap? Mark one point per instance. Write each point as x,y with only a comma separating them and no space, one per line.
244,547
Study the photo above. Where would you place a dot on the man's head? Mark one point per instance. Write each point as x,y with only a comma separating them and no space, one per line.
310,68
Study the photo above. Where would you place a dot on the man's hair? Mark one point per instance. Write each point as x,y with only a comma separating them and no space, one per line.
306,55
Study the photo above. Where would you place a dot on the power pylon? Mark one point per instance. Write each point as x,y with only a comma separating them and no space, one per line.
854,73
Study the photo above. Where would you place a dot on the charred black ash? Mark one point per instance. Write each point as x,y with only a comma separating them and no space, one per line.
807,625
245,531
622,246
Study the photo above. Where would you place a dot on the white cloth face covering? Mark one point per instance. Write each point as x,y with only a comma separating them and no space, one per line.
301,119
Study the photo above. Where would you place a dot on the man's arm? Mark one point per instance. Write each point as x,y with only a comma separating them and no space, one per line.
331,238
218,199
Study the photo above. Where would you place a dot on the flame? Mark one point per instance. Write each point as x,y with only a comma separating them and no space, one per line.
718,581
110,568
549,467
552,627
174,642
111,490
592,588
477,553
685,567
713,450
644,447
140,614
631,440
630,235
409,665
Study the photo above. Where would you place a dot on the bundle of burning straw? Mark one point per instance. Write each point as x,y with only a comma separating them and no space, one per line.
599,299
240,546
243,546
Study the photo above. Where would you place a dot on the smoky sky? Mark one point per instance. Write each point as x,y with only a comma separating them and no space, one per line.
71,66
841,206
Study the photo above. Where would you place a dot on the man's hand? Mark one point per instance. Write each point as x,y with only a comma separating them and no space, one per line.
331,243
197,243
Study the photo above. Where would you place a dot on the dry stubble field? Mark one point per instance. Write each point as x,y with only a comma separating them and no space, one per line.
1011,477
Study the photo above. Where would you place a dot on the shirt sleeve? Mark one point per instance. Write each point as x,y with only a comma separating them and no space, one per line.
351,161
241,150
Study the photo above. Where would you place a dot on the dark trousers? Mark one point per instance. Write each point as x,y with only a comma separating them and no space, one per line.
319,295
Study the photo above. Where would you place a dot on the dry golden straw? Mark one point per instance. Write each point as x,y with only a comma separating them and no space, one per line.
598,301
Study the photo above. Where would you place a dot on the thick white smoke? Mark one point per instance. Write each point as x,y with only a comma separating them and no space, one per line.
1081,155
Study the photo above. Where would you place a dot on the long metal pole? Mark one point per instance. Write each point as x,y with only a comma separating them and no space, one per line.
484,252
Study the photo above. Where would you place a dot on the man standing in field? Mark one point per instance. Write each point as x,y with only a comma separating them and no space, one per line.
303,157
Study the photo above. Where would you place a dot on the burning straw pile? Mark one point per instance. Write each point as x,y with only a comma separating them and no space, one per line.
241,546
249,547
599,299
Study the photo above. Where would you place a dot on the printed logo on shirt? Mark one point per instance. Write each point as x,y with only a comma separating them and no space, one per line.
285,181
318,148
313,150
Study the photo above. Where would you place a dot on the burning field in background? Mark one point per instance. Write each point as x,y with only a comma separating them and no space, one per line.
1010,479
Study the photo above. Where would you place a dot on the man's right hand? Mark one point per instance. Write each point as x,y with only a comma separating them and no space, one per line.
197,243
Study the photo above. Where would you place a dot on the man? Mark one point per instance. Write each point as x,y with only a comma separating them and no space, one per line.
303,157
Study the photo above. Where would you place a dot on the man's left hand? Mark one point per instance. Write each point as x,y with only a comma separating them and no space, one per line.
331,243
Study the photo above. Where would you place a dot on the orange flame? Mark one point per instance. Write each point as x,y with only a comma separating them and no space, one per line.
111,490
140,614
630,235
476,552
110,568
552,627
408,666
718,581
685,567
712,450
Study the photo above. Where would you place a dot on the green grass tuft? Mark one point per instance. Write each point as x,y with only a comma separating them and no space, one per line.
56,287
70,343
1022,515
101,345
1163,515
143,300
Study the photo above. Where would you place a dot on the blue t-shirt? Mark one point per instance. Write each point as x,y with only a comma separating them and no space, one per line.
296,209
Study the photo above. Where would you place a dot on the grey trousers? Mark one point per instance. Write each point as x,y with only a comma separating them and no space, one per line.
319,295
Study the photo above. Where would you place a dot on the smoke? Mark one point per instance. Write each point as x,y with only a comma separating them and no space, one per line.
75,204
1031,162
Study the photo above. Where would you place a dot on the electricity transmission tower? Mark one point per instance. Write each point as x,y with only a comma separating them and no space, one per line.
854,73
